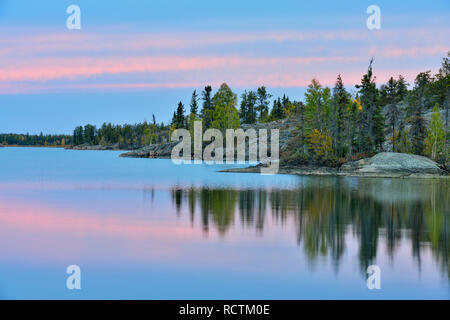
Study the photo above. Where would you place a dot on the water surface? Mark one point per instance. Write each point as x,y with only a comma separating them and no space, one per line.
148,229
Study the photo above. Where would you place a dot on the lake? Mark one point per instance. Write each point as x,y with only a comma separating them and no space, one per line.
148,229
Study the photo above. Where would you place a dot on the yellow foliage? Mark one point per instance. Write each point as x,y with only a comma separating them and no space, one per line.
358,104
290,110
320,143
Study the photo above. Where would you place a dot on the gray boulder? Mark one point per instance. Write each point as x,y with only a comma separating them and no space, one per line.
391,162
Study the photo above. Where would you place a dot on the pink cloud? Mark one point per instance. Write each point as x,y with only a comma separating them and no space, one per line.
71,68
108,60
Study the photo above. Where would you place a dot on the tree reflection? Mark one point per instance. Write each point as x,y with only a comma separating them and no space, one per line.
326,210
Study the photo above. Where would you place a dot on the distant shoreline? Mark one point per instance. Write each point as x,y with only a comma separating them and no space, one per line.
351,169
20,146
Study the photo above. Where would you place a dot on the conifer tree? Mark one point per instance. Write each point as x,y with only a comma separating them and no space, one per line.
262,104
372,116
339,104
194,103
418,124
207,108
390,98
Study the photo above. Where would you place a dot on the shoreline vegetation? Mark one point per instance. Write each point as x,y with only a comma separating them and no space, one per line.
322,134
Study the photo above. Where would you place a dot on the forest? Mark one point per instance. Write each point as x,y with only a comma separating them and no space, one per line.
41,140
333,125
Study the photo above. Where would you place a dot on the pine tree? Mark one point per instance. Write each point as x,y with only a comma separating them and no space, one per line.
243,110
351,127
194,103
179,119
207,108
262,105
277,110
372,116
193,115
247,111
418,124
339,104
390,98
401,89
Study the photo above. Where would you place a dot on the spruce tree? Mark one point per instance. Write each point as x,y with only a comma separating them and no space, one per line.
262,105
207,108
390,98
180,120
418,124
339,104
243,111
372,116
194,103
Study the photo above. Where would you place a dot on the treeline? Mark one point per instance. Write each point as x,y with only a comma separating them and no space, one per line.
35,140
220,111
123,136
336,125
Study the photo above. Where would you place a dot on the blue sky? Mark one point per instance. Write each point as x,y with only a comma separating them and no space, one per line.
135,58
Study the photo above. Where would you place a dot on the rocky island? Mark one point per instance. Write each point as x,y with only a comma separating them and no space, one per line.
382,165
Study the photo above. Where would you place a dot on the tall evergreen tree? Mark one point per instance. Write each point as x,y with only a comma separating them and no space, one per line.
207,108
262,105
179,120
278,111
401,89
247,111
194,103
339,104
418,123
351,128
390,98
243,110
372,116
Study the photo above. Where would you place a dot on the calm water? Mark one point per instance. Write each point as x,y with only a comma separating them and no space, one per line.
147,229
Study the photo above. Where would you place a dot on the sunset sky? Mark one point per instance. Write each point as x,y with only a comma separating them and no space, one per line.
134,58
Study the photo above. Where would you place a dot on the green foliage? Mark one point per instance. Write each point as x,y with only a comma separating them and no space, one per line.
417,120
35,140
208,107
125,136
262,104
372,120
226,115
194,103
317,108
278,110
330,125
247,112
435,141
339,104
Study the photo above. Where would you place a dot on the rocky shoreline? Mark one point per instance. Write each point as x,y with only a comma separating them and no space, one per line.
161,151
114,147
382,165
